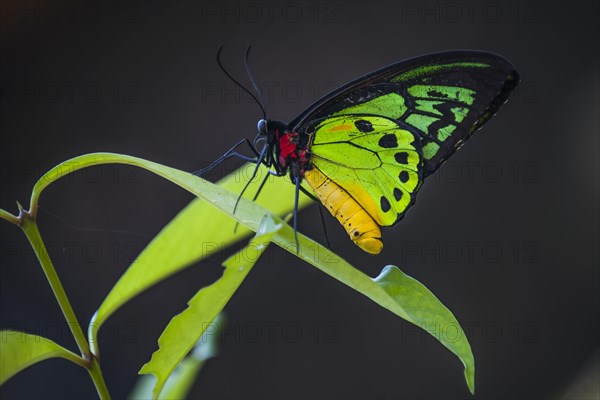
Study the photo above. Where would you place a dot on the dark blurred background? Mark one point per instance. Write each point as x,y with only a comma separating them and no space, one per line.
505,234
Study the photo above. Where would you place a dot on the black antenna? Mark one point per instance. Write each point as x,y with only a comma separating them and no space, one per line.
259,102
254,85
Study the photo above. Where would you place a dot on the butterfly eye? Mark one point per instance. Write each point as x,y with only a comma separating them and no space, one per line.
262,127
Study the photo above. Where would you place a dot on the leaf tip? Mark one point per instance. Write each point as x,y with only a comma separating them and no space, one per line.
470,378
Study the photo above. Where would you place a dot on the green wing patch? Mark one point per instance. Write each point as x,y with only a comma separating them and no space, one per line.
391,105
444,115
425,70
376,160
445,97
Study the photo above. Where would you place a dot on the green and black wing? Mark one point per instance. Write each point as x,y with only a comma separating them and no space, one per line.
442,97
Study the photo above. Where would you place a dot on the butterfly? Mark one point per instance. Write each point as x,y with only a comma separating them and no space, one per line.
365,148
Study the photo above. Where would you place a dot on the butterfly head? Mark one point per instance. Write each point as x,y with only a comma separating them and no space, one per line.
271,129
262,127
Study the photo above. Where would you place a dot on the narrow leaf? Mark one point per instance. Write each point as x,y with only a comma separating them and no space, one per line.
182,379
19,350
428,313
394,291
185,329
250,214
197,232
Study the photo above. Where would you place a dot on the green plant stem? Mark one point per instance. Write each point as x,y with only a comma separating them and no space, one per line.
29,226
9,217
33,235
96,374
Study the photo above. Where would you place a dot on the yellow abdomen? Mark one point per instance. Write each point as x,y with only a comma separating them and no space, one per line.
363,230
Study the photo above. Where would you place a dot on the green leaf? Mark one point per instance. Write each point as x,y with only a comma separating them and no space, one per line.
428,313
197,232
181,380
250,214
394,291
19,350
185,329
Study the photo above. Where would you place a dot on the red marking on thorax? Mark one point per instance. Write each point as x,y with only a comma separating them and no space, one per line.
287,147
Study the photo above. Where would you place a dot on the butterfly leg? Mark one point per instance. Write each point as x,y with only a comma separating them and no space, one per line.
260,188
229,154
296,198
258,162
